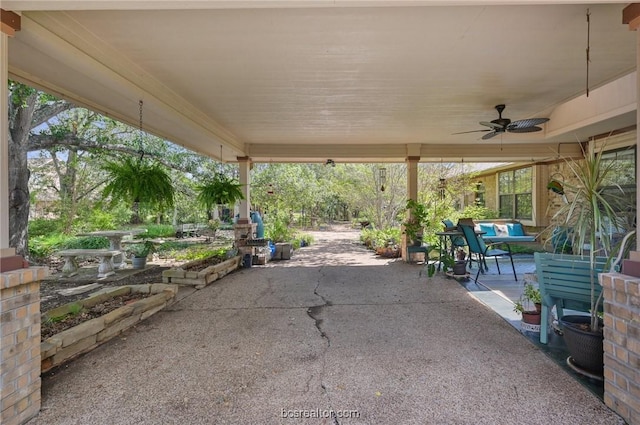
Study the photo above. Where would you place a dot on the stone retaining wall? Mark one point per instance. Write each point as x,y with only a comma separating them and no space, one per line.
201,278
80,339
20,344
622,345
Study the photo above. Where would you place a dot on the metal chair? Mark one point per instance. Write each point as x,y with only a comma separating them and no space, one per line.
481,250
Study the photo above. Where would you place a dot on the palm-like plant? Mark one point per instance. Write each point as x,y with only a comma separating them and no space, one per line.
591,214
139,182
218,191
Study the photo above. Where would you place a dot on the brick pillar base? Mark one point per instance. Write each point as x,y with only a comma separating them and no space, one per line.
622,345
20,344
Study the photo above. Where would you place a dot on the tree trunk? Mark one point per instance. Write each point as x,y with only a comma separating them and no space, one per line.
21,116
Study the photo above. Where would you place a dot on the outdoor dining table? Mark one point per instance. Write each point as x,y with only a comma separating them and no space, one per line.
446,241
115,242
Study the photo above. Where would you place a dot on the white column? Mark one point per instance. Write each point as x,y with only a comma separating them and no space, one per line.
412,177
5,251
245,181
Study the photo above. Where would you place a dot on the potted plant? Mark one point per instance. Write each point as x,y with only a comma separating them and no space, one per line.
139,253
415,221
592,218
529,304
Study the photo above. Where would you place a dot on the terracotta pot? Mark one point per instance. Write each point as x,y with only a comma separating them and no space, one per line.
531,317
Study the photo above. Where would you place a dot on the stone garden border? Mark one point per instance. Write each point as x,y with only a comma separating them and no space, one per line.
70,343
201,278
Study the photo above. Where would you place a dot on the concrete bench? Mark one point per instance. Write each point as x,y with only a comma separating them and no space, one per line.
70,268
565,281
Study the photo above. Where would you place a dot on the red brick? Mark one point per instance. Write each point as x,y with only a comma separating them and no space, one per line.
620,326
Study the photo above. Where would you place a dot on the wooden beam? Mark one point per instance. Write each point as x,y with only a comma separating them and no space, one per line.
9,22
631,16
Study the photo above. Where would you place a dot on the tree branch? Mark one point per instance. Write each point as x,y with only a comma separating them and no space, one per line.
44,113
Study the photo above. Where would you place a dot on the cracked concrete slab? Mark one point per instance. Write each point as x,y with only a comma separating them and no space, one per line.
334,329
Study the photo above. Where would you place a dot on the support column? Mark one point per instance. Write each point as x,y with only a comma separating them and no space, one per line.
19,284
412,193
5,251
621,328
245,180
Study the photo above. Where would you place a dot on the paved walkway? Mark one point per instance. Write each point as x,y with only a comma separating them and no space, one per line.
332,328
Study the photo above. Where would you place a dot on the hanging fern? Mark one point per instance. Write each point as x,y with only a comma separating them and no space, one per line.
220,190
139,182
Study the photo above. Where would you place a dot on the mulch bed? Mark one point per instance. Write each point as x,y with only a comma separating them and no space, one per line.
57,325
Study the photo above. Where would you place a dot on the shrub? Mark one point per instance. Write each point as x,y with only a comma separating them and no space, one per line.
44,227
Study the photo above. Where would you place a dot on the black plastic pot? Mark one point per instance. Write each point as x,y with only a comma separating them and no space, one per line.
585,347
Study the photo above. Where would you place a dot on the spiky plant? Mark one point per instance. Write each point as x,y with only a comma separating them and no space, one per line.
590,214
139,182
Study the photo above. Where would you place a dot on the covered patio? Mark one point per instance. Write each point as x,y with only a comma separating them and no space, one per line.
312,81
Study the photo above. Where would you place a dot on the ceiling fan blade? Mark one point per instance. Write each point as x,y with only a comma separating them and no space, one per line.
530,122
524,129
491,124
490,135
472,131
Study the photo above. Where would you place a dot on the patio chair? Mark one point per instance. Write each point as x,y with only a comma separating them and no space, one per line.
479,249
456,241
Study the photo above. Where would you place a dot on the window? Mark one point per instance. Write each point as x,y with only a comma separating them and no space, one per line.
479,195
514,194
621,176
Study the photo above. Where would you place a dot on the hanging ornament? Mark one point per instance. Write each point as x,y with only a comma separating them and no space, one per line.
382,175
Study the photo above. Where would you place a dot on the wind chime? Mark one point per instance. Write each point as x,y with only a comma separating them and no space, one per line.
382,177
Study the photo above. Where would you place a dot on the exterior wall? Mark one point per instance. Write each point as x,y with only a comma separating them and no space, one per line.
622,345
20,344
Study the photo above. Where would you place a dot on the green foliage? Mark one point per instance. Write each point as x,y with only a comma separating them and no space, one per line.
218,191
380,238
142,249
41,247
136,180
306,239
88,242
157,231
416,219
199,252
278,227
478,212
590,214
530,295
43,227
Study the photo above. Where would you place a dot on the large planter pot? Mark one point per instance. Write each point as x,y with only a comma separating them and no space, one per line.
585,347
138,262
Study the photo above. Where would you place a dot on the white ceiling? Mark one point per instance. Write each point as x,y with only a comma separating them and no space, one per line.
276,82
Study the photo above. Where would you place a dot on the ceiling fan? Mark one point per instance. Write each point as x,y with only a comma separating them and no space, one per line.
502,125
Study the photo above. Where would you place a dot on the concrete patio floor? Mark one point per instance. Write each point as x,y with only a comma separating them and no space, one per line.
334,329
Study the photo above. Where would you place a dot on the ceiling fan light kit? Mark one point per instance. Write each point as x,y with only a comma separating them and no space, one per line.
503,125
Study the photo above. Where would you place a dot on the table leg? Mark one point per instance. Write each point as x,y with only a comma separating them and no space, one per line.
115,244
105,268
70,267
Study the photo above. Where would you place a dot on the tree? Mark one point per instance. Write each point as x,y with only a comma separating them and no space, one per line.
28,109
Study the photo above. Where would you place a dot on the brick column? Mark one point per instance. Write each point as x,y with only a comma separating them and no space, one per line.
622,345
20,344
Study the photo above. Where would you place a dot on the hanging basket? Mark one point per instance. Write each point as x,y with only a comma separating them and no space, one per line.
556,187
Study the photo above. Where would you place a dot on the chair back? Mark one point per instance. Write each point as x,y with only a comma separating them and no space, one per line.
475,242
448,223
457,241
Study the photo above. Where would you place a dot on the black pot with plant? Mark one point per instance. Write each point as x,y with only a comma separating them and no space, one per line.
139,253
592,215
